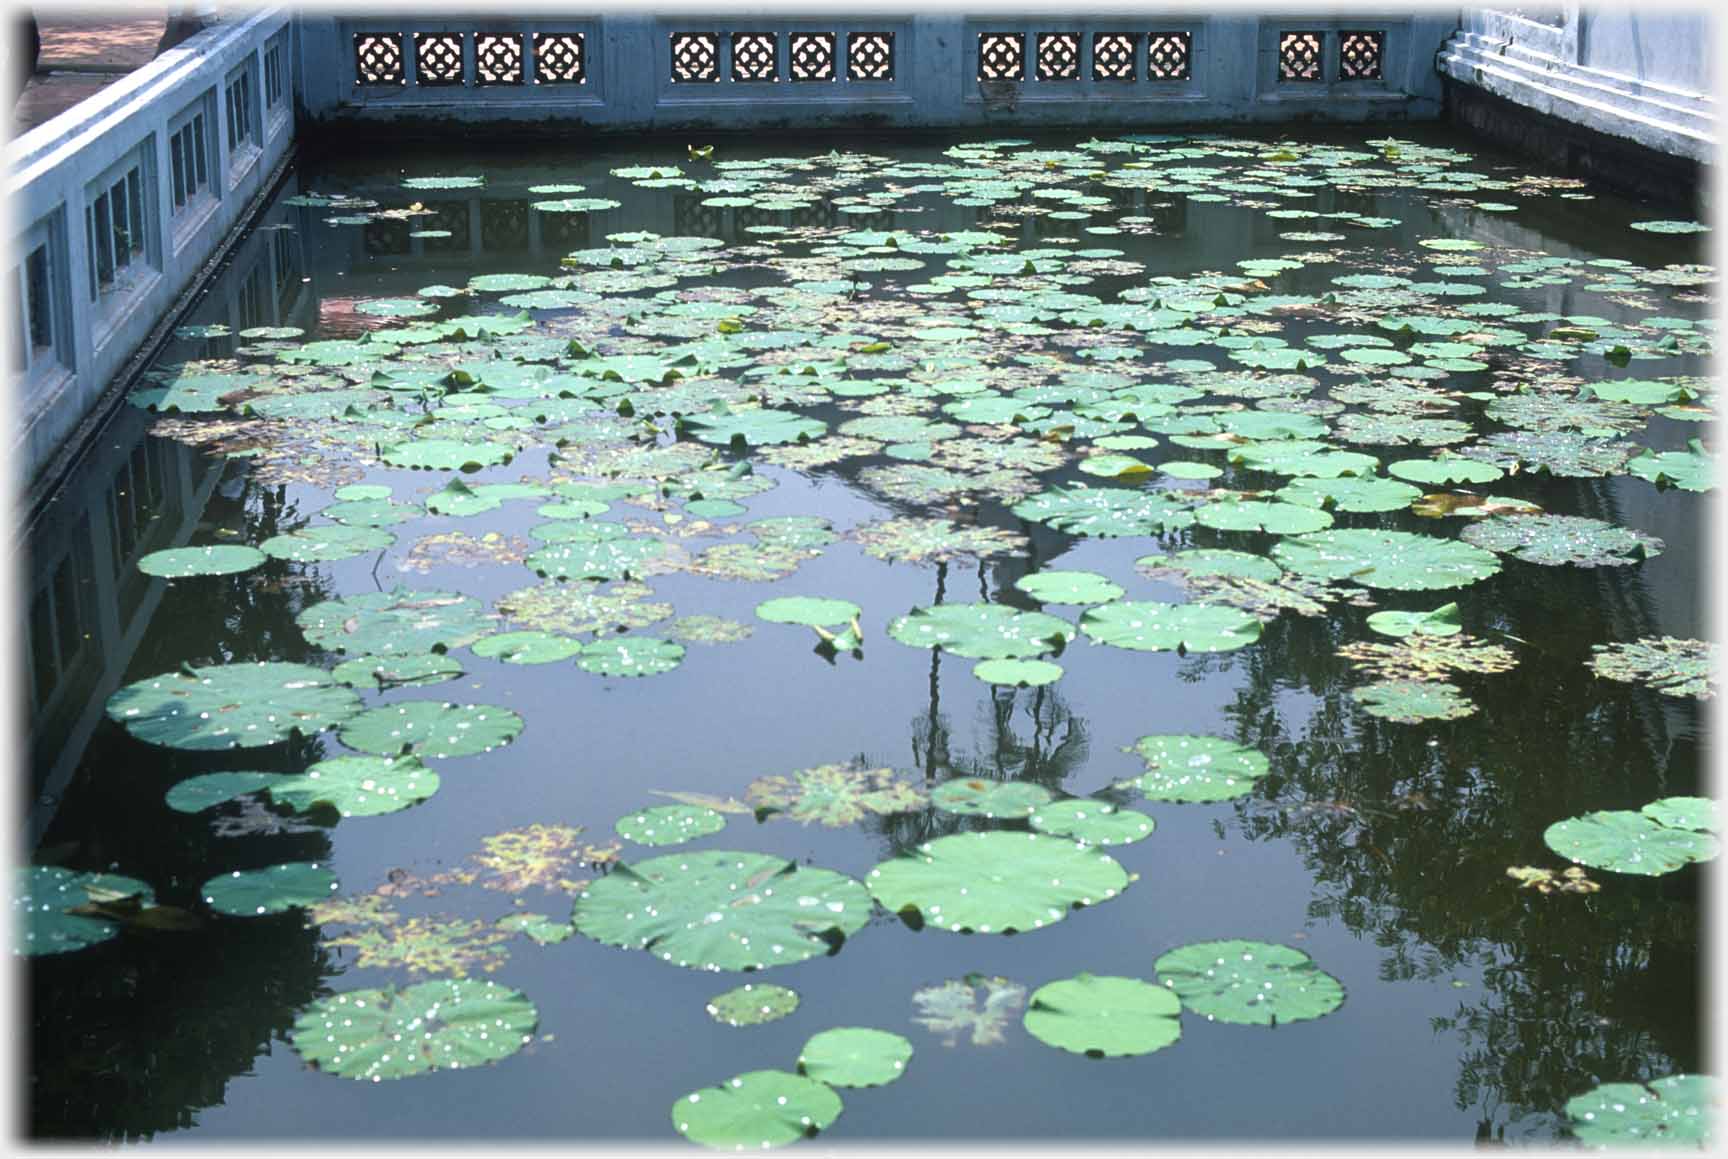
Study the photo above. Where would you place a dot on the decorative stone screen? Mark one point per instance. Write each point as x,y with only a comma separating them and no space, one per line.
1113,55
1169,56
560,58
437,58
753,56
1300,56
1360,55
378,59
810,56
870,56
1001,56
1058,56
695,58
497,58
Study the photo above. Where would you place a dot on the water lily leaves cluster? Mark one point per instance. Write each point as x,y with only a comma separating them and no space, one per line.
232,706
834,795
1183,768
1559,539
1671,666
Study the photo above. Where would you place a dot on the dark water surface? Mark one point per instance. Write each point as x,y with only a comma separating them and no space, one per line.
1474,1008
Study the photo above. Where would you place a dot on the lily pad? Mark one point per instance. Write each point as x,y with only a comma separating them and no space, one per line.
721,910
374,1035
1091,821
180,562
428,728
43,897
1672,1111
269,891
834,795
811,611
408,671
1692,470
1442,621
752,1004
669,824
526,647
756,1110
232,706
630,656
1017,673
1104,1017
1385,559
395,622
1069,587
982,631
1251,983
1560,539
357,786
1671,666
854,1056
196,794
996,882
1149,626
1626,842
1196,768
979,797
1413,701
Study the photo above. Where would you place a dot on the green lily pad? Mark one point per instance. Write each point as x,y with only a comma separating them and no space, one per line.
1256,515
756,428
1671,666
357,786
1444,471
526,647
232,706
722,910
427,728
447,455
811,611
1091,821
1671,1111
1104,1017
1385,559
180,562
756,1110
42,895
982,631
1560,539
1250,983
589,558
1671,226
269,891
1692,470
1149,626
834,795
979,797
1017,673
1626,842
1107,512
326,543
1069,587
539,928
395,622
196,794
1698,813
1413,701
669,824
1350,494
752,1004
1183,768
1442,621
375,1035
996,882
630,656
412,670
854,1056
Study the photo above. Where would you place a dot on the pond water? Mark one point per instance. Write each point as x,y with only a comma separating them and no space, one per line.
950,367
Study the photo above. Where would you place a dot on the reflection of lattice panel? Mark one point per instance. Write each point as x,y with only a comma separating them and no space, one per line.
810,56
1360,55
1001,56
498,58
385,235
449,217
869,56
1299,56
821,213
691,218
1113,56
438,58
1169,56
695,58
560,58
378,59
503,225
564,231
753,56
1058,56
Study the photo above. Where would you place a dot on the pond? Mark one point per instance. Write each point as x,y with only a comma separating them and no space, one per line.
982,582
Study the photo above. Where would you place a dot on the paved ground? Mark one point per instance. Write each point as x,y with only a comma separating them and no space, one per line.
83,53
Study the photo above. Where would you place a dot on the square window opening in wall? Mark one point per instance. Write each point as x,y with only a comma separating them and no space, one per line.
498,58
275,73
1001,56
1058,56
1361,55
870,56
1169,56
695,58
755,56
560,58
1300,57
240,114
190,159
809,56
118,217
378,59
438,58
40,301
1113,55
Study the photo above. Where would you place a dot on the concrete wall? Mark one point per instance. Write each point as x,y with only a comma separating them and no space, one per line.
1640,76
371,71
76,311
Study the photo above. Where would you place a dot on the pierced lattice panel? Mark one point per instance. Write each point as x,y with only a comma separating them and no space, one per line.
695,58
560,58
497,58
1058,56
1169,56
870,56
1113,56
753,56
438,58
1001,56
504,225
1299,56
693,219
378,59
810,56
1361,55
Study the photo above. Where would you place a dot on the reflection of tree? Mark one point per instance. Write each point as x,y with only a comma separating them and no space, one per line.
1408,830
